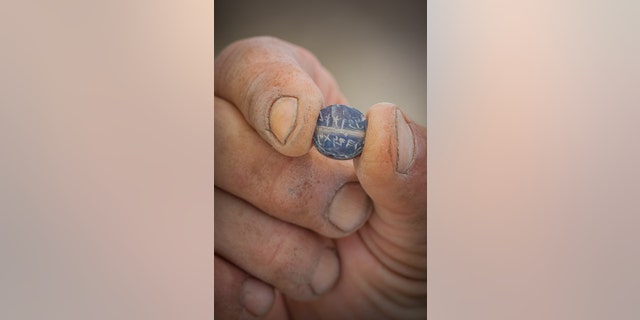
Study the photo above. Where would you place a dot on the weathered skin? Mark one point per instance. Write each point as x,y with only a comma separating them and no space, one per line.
337,239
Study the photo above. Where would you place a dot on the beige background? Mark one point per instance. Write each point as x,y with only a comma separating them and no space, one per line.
106,157
534,208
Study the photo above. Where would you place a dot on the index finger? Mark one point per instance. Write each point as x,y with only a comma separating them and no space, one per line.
278,87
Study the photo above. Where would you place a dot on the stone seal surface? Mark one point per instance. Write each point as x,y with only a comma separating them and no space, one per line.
340,131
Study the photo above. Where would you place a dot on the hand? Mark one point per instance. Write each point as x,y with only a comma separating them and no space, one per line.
337,239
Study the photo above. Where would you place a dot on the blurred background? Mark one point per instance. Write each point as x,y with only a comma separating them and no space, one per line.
106,159
376,50
534,208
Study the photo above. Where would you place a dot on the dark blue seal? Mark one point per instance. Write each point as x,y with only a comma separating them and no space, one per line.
340,132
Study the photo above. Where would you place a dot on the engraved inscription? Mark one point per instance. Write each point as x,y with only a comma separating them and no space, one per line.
340,132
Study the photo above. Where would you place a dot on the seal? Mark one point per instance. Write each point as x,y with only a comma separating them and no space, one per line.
340,132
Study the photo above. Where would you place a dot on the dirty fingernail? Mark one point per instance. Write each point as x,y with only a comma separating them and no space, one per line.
282,119
350,207
405,144
257,297
326,273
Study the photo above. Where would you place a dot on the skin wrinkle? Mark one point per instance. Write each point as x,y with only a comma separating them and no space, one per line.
276,251
384,303
404,219
418,255
412,271
384,218
402,223
377,252
255,51
402,302
250,99
370,294
360,280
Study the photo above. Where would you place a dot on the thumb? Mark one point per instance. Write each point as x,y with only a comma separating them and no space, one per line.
278,87
393,171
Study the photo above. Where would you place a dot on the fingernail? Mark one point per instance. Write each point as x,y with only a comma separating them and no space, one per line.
257,297
350,207
282,119
405,144
326,273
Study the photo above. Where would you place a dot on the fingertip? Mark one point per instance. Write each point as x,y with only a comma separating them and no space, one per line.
390,143
391,165
238,295
257,297
350,208
327,272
